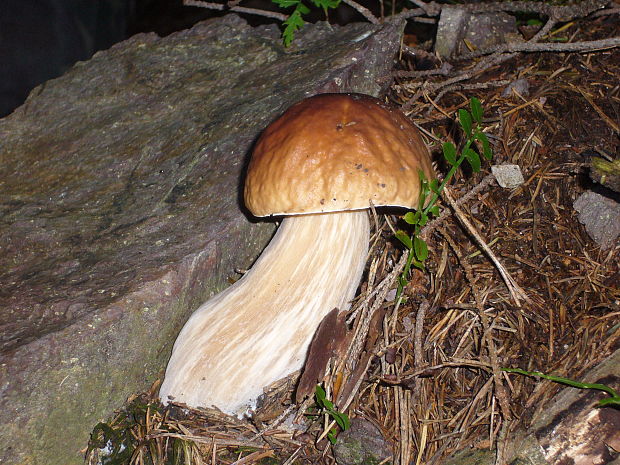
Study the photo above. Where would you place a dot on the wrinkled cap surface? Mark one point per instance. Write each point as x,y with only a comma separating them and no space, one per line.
335,152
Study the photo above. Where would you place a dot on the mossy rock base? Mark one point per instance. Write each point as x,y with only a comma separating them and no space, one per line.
361,444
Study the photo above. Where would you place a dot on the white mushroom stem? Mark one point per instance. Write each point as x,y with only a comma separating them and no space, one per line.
258,330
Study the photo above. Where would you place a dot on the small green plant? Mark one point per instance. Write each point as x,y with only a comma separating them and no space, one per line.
476,144
326,406
613,400
296,20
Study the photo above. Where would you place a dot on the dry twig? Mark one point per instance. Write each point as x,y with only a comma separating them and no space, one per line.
365,12
515,290
587,46
556,12
234,7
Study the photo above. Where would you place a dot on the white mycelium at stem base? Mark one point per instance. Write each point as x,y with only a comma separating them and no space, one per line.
324,161
259,330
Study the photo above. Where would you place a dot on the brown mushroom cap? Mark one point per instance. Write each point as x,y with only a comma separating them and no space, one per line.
335,152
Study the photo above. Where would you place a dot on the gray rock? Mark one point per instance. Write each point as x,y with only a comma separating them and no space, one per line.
361,444
508,176
600,216
120,210
481,30
450,30
520,86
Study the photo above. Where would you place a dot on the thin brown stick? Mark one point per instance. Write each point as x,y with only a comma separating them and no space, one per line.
444,70
515,290
557,12
424,371
543,30
412,14
482,66
475,85
586,46
365,12
418,348
418,345
402,398
254,457
426,8
205,439
293,456
236,8
610,122
614,9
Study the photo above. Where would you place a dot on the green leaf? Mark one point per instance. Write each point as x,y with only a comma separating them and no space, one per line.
404,238
609,401
449,152
434,210
434,185
486,146
332,436
567,381
424,188
423,220
286,3
473,159
476,109
293,23
613,400
422,197
295,20
321,398
411,217
465,120
341,419
420,248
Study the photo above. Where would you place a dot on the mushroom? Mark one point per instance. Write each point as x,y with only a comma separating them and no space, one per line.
320,165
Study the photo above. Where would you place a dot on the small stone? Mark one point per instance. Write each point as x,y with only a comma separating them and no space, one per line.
459,29
508,176
600,216
391,295
450,30
520,86
361,444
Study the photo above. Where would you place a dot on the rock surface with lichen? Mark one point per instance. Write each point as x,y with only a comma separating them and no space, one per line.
362,444
600,216
120,208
